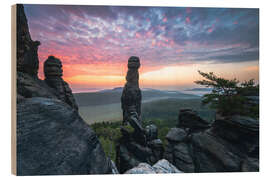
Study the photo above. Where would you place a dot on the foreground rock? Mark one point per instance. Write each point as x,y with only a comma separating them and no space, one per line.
162,166
52,139
228,145
132,149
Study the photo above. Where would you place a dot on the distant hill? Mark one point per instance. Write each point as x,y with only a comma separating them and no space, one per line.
199,89
110,96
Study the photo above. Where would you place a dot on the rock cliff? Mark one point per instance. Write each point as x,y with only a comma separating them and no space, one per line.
51,136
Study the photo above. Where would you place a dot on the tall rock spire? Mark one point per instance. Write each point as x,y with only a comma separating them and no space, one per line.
131,95
27,55
53,77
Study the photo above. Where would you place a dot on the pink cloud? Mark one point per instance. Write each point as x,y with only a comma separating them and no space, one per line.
187,20
188,10
164,19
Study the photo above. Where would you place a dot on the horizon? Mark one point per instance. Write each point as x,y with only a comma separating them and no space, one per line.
173,43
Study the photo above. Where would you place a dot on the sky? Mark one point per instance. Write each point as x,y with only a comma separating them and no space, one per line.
173,43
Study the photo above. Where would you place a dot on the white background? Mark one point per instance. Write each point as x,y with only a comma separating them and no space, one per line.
5,86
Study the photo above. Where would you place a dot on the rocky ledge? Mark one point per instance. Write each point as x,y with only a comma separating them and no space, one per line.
229,144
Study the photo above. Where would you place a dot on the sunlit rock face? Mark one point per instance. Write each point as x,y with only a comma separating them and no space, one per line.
162,166
131,95
53,77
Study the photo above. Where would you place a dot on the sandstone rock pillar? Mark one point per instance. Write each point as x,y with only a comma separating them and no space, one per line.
131,95
53,77
27,49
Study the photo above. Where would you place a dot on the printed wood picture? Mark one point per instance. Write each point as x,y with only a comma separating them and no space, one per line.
134,89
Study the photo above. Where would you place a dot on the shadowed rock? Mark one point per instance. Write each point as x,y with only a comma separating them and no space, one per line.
131,95
53,139
27,57
132,149
229,144
51,136
53,77
188,118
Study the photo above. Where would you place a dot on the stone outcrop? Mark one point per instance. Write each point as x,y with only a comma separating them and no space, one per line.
162,166
52,138
229,144
27,55
141,145
131,95
132,149
53,77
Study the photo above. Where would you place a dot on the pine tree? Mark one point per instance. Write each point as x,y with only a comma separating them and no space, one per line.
229,97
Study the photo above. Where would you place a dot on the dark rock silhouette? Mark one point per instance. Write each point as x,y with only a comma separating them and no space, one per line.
141,145
27,57
53,77
131,95
53,139
51,136
131,151
229,144
190,119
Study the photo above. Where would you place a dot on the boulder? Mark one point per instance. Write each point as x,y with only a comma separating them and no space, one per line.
179,154
53,139
131,150
176,134
229,144
162,166
188,118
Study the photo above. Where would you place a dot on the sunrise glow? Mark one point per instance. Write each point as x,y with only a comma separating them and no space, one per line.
95,42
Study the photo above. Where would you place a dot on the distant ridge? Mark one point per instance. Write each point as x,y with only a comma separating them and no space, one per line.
199,89
110,96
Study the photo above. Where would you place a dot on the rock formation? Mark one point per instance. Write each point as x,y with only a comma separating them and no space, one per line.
132,150
53,77
53,139
229,144
141,145
162,166
51,136
131,95
27,58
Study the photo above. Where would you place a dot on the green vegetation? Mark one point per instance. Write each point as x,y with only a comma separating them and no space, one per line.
229,97
162,113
